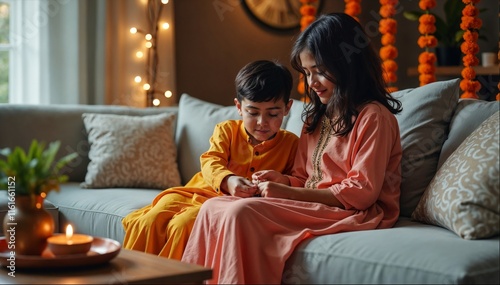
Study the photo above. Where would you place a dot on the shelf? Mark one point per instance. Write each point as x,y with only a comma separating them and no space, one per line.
456,70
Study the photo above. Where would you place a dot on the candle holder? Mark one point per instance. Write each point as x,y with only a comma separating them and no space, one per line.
69,243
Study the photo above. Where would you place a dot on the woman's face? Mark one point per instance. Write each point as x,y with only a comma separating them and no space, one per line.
316,78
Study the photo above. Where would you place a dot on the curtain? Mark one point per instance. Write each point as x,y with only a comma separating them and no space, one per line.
60,54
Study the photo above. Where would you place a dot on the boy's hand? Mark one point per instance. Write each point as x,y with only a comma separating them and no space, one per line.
269,175
240,187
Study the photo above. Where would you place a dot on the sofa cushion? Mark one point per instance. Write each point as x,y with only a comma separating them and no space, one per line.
464,195
409,253
423,124
98,212
195,125
131,151
469,114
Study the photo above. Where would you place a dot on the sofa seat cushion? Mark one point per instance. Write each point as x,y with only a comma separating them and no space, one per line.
98,212
413,251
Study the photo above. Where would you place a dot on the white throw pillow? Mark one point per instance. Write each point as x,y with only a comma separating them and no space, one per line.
131,151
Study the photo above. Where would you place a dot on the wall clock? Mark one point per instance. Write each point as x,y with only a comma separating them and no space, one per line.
276,14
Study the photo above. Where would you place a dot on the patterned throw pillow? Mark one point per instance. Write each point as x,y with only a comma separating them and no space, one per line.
464,195
131,151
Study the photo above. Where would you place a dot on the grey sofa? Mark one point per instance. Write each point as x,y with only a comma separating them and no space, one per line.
411,252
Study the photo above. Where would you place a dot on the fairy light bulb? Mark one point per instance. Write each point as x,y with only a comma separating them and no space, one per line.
139,54
146,86
168,94
164,1
148,37
156,102
165,25
148,44
133,30
137,79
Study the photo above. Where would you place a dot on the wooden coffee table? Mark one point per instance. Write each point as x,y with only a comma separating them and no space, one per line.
129,267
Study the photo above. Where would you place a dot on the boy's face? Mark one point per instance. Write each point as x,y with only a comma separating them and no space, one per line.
262,120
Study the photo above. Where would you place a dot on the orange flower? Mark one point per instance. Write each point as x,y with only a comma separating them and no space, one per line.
427,19
470,36
470,85
352,8
470,1
469,47
470,23
468,73
426,79
307,10
388,52
301,88
470,60
388,39
427,4
388,2
425,68
427,57
390,77
307,1
424,28
427,41
471,11
387,11
388,26
306,20
469,95
390,65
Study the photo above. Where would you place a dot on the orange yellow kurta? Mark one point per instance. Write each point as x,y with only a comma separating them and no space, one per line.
163,227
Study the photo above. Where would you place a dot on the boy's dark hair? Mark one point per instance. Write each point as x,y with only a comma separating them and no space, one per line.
342,51
263,81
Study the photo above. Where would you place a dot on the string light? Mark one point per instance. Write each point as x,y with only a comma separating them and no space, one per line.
154,9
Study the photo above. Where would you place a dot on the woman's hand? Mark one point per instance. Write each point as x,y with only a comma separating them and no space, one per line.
274,190
240,187
269,175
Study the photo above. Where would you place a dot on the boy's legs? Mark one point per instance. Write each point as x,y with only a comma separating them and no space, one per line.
146,228
178,231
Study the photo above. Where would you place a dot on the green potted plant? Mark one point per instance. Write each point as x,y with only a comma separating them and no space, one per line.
448,31
28,177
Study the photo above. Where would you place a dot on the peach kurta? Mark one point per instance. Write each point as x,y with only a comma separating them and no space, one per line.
163,227
249,240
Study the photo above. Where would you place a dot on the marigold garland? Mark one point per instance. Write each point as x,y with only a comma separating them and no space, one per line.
470,24
427,27
388,52
308,15
353,8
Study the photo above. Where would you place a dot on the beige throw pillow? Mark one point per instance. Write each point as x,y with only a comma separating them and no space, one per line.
131,151
464,194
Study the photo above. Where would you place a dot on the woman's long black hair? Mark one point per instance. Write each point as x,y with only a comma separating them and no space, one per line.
342,50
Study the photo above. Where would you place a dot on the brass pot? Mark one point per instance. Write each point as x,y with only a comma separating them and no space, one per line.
27,225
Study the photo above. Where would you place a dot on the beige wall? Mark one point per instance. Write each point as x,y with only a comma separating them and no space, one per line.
215,38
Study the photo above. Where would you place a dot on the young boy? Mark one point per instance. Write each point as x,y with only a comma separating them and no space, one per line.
238,148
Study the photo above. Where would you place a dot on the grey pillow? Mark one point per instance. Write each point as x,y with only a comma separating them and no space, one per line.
195,125
423,124
131,151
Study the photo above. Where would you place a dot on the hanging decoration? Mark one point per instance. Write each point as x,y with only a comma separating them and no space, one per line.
149,82
308,15
388,51
427,59
471,23
353,8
